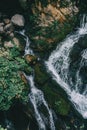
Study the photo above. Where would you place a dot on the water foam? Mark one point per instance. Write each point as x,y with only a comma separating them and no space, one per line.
58,65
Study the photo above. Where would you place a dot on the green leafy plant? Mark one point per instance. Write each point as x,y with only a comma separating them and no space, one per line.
1,128
12,86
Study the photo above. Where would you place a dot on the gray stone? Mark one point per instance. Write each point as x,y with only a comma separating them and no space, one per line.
8,27
12,34
1,29
1,24
18,20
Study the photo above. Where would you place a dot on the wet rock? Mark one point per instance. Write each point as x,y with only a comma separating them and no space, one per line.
6,21
31,59
11,35
23,78
51,91
41,76
62,107
18,20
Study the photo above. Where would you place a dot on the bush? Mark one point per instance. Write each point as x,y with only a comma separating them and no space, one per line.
12,87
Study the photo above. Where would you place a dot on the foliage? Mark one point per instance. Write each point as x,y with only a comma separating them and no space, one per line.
62,107
54,33
2,128
11,85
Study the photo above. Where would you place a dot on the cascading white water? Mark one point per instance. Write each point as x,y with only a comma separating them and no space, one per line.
59,62
26,38
36,96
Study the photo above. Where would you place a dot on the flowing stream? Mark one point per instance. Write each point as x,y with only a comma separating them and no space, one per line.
36,96
37,99
59,64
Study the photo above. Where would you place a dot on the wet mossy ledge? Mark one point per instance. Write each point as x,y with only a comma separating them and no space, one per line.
54,95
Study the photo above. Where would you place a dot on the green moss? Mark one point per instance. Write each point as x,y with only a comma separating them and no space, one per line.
40,75
55,100
62,107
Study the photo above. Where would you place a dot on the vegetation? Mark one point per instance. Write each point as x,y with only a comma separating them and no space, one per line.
45,35
12,85
2,128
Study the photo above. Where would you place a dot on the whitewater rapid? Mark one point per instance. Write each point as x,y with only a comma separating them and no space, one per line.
37,99
36,96
58,65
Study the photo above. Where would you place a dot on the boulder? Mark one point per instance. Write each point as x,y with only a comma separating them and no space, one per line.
18,44
30,59
18,20
8,27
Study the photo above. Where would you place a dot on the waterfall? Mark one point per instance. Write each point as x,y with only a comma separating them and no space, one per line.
26,38
37,99
36,96
58,65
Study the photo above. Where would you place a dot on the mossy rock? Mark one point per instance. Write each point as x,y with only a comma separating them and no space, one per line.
62,107
40,74
30,59
56,100
53,93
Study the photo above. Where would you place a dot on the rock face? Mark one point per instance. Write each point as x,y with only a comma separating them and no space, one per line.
18,20
53,11
51,21
31,59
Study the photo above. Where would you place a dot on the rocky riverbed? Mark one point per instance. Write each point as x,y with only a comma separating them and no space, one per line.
45,24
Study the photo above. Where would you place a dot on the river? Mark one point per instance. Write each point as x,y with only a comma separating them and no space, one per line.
66,67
